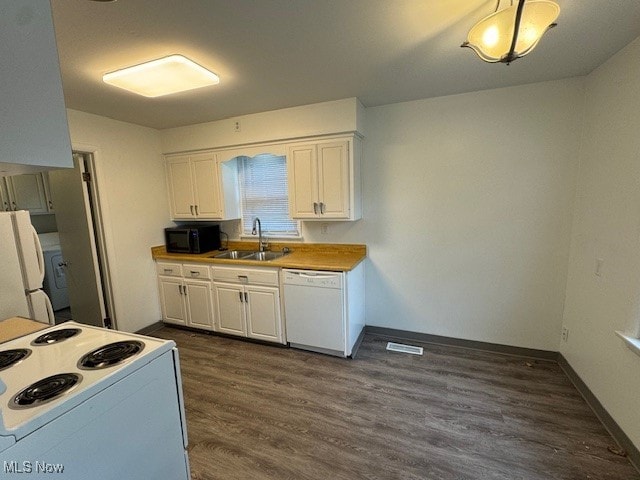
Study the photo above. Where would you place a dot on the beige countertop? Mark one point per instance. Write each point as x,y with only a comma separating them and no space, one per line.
17,327
307,256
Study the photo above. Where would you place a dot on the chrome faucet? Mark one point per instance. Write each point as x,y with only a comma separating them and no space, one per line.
262,245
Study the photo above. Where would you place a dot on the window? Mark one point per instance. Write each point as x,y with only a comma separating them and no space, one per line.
263,192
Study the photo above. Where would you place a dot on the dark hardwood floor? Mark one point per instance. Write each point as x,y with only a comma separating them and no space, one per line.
262,412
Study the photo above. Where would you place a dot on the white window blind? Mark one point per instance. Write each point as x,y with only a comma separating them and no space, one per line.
263,188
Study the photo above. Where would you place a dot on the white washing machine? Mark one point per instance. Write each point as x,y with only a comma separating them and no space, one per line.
55,280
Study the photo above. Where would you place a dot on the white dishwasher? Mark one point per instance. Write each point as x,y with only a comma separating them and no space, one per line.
315,311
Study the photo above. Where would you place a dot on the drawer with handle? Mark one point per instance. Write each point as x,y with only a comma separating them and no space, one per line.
202,272
260,276
169,269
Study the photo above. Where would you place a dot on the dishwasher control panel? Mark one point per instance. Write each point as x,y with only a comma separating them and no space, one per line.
313,278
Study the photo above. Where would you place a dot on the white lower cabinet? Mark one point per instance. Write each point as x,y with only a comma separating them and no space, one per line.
230,309
172,300
198,298
264,319
247,303
236,301
186,295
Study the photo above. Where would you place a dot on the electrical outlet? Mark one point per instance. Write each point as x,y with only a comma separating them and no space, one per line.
324,229
599,265
565,334
236,126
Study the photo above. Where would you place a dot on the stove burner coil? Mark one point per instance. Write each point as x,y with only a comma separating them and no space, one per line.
13,357
110,355
45,390
56,336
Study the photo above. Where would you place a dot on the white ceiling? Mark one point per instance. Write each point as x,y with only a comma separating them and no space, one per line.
273,54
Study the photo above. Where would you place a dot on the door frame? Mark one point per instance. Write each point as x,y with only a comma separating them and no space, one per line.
96,207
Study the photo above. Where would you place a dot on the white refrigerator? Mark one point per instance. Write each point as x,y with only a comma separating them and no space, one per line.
22,270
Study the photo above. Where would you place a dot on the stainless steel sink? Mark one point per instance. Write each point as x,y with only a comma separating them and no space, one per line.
264,256
233,254
249,255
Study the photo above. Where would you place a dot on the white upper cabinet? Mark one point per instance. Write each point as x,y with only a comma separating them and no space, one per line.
202,188
5,202
180,187
302,173
324,179
29,191
33,125
207,188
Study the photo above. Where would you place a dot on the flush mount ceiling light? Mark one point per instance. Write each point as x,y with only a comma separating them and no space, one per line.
163,76
512,32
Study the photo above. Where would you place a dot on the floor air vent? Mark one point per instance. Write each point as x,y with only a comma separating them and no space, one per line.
399,347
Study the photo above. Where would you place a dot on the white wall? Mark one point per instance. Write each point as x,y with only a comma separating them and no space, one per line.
304,121
607,227
467,205
133,194
467,213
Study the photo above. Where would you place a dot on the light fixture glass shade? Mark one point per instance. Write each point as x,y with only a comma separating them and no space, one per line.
164,76
492,37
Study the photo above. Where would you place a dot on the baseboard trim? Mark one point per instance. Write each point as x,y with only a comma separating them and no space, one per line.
356,345
607,420
458,342
150,328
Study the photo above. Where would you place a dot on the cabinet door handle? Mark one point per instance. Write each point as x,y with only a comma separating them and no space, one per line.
15,207
168,270
240,295
246,297
196,210
191,208
322,208
315,208
180,289
50,205
194,273
184,289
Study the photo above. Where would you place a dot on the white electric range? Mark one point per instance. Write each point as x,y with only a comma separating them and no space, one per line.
89,402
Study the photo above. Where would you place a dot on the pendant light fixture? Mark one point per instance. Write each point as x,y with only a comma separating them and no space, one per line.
512,32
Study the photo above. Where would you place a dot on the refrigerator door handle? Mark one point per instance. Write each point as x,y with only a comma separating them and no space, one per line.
40,307
50,314
38,245
30,250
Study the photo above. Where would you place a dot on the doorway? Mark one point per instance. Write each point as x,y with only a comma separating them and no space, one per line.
82,242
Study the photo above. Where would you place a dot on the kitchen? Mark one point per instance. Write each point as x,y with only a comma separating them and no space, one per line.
515,222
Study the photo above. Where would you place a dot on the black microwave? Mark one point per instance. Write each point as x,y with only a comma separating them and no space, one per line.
192,238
